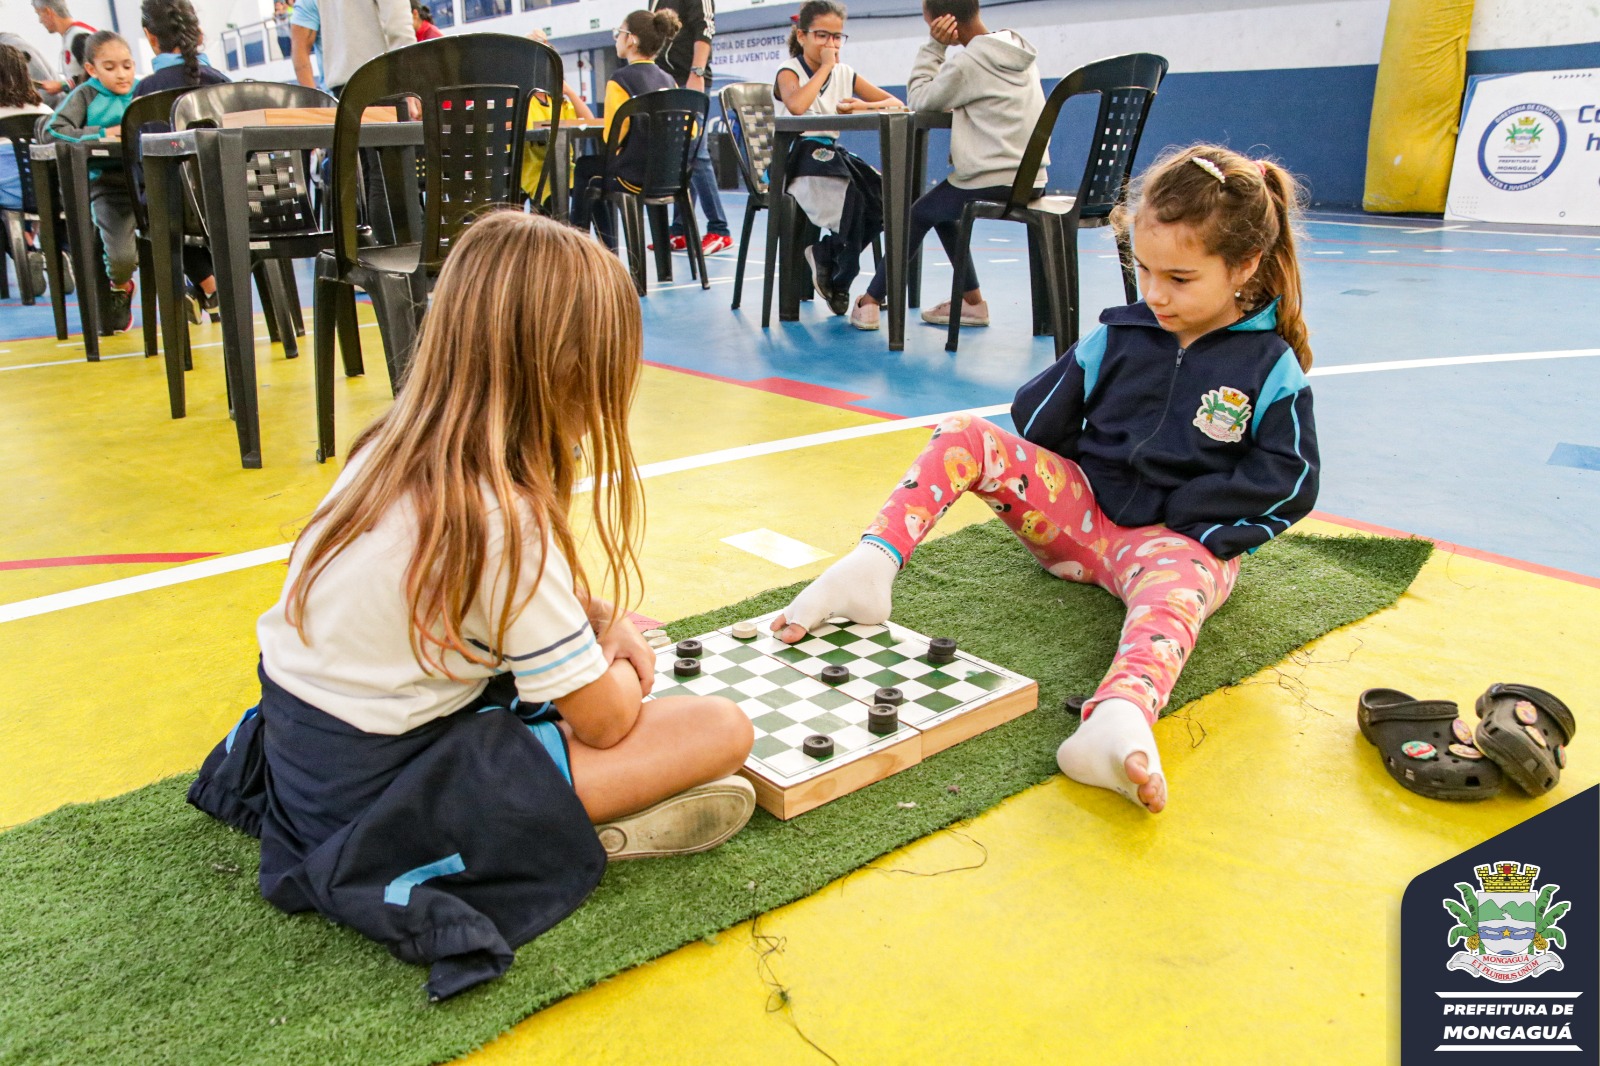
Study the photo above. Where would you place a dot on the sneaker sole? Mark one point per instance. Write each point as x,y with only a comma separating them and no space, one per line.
866,328
945,322
692,821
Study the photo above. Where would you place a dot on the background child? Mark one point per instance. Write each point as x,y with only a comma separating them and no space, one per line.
93,112
437,678
18,96
839,192
1137,469
173,30
539,111
993,88
639,39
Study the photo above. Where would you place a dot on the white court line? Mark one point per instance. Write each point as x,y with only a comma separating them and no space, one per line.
226,564
1383,251
1454,360
1003,260
69,362
1432,229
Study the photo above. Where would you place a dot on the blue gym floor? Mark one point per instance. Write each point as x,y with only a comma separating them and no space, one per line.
1501,455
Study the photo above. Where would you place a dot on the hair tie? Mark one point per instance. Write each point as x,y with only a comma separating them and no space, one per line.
1210,168
795,19
1261,165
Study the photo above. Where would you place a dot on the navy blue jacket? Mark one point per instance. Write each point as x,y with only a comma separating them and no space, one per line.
1214,441
452,844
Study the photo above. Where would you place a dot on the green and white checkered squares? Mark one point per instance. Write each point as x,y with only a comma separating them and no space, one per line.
779,686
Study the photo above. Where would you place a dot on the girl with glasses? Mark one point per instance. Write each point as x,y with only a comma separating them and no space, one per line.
840,193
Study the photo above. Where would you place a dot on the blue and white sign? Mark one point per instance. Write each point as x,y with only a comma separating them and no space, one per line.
1529,150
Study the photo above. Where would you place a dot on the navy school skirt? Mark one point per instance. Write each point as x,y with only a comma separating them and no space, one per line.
452,844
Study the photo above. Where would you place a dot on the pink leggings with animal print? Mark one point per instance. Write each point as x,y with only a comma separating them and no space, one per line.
1169,582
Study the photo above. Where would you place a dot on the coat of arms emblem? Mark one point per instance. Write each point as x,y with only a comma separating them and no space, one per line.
1506,929
1223,415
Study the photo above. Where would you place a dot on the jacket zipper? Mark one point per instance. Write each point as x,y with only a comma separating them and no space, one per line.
1166,409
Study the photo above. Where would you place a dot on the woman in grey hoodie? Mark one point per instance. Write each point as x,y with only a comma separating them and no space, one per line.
993,87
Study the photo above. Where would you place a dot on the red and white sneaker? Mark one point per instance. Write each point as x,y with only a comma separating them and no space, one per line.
714,243
677,244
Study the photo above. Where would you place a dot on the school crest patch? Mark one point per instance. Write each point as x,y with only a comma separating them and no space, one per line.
1223,415
822,155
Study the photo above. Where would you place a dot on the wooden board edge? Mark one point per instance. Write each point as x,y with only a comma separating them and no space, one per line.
785,804
980,719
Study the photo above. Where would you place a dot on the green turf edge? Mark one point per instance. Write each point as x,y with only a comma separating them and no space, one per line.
132,929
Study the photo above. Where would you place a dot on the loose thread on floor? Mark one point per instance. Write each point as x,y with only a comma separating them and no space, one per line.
938,873
778,999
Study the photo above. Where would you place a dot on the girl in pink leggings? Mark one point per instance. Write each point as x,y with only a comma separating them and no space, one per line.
1160,449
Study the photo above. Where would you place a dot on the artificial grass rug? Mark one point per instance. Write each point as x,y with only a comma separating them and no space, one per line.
132,929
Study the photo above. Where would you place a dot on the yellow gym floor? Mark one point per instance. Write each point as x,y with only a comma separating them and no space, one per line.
1257,914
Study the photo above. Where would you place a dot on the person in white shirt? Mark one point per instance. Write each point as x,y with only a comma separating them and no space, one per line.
437,673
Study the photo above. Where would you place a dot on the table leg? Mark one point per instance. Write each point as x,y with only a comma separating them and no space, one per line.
781,214
227,213
894,147
49,203
166,250
919,181
92,281
777,222
558,157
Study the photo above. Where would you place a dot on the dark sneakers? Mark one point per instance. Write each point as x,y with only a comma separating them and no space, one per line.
118,308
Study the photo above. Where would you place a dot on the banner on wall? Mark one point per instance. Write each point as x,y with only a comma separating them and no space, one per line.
1529,149
751,56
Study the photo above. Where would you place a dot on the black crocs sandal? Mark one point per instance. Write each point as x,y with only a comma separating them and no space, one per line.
1526,731
1426,746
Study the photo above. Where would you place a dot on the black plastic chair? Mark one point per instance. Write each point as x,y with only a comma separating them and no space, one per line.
19,130
1127,87
671,122
283,225
472,91
748,110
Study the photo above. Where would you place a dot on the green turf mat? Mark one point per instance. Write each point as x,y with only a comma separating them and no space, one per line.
131,929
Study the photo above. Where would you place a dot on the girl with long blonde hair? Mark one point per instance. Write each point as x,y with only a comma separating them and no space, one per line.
1149,459
442,677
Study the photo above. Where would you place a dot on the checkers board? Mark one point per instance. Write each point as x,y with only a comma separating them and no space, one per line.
779,686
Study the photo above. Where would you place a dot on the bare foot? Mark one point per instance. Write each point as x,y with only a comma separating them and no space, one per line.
858,587
1152,788
1115,749
786,631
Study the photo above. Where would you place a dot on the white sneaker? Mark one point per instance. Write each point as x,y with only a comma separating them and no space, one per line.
971,314
865,315
695,820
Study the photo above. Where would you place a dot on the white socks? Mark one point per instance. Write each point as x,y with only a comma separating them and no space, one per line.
859,587
1095,754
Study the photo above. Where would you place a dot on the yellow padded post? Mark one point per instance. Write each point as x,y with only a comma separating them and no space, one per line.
1416,106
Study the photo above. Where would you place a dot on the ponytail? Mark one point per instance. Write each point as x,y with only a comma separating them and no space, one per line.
653,30
810,11
1279,273
1240,208
176,28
